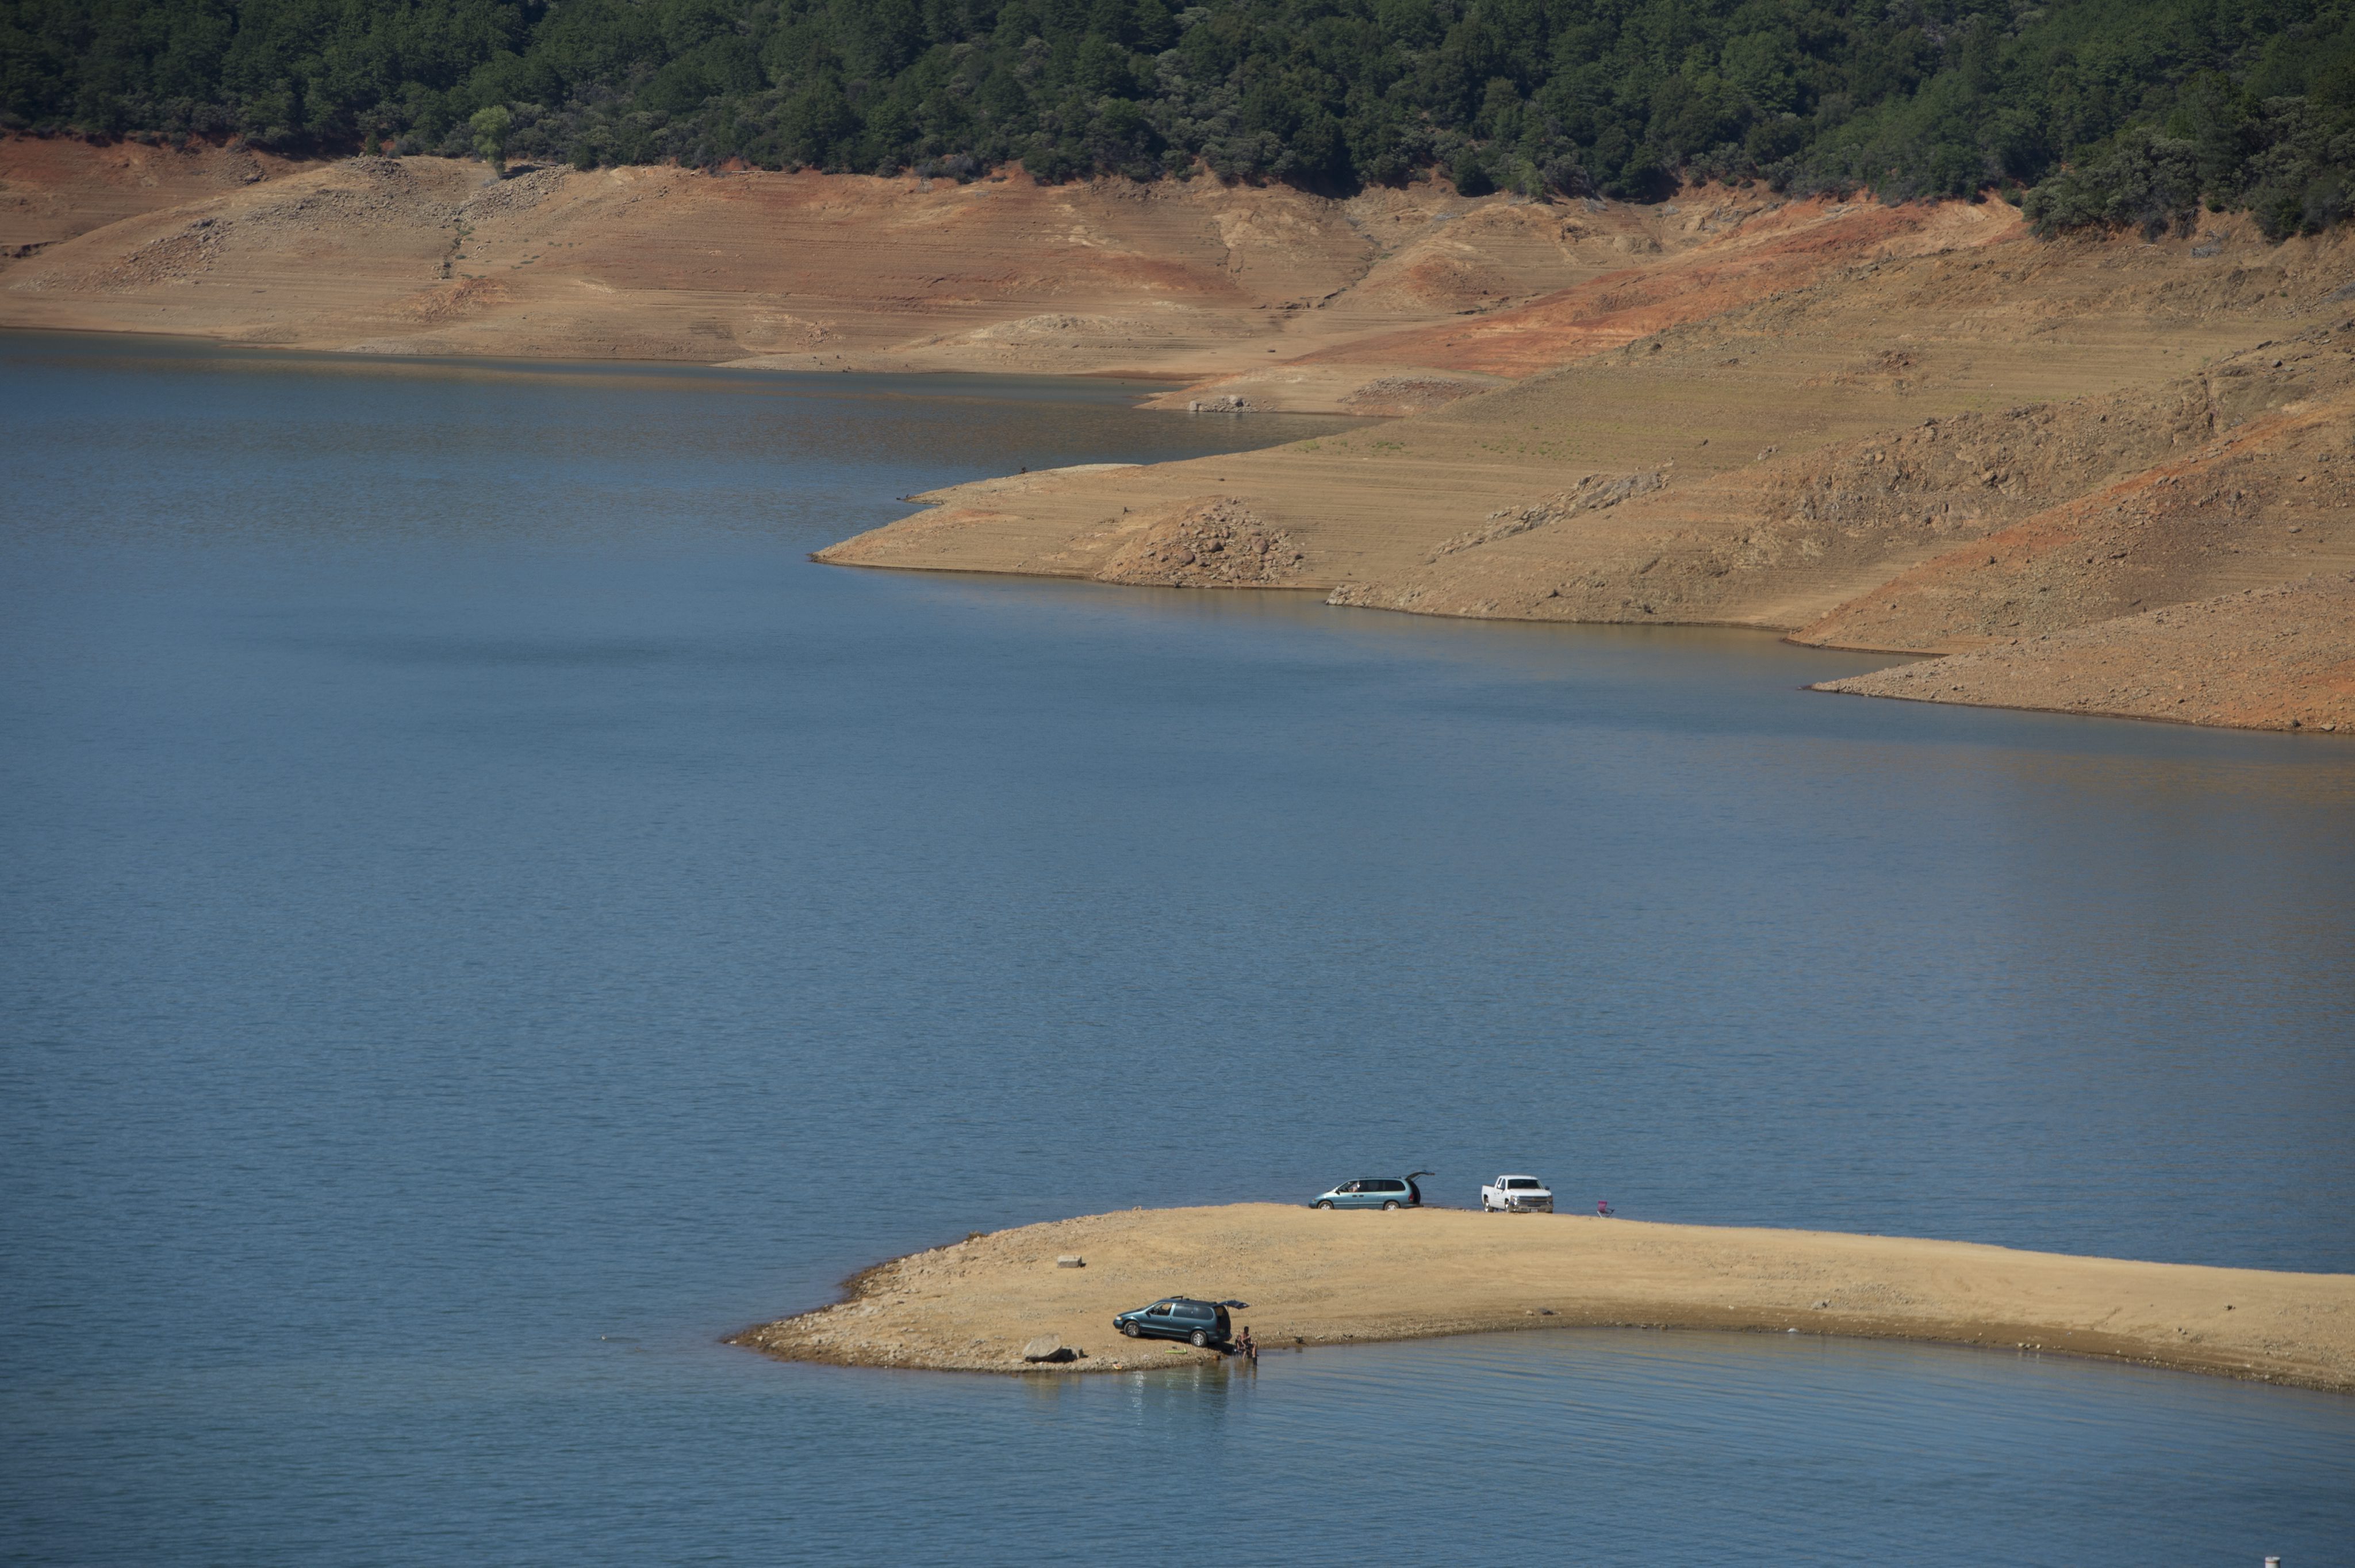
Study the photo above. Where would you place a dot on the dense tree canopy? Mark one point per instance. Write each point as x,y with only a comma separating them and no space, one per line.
2127,110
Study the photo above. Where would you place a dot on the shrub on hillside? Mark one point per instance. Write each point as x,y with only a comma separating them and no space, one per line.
2148,180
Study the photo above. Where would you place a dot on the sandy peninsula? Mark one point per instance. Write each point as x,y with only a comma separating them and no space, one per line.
1318,1278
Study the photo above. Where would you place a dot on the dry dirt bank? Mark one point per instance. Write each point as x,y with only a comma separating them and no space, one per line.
1329,1278
55,187
2238,474
1182,279
1748,419
2281,657
2117,425
1711,250
2250,480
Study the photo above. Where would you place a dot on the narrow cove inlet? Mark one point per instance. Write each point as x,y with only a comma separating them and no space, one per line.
491,918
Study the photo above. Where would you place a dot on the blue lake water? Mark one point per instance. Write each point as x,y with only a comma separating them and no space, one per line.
485,917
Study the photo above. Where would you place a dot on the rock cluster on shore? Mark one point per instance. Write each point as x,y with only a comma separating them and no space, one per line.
1214,543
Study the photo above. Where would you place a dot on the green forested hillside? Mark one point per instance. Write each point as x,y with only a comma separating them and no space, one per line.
2128,110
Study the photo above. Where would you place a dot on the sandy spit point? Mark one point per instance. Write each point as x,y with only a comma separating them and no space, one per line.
1324,1279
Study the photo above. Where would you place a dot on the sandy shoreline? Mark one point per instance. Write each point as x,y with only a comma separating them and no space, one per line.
1333,1278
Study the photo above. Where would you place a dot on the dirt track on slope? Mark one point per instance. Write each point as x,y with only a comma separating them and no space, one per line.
1316,1278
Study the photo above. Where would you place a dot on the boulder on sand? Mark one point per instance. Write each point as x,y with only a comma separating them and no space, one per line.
1046,1347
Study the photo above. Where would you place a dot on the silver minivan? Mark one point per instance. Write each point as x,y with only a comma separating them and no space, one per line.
1373,1192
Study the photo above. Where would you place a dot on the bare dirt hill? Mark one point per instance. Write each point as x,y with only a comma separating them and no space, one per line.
1730,249
55,187
2206,464
1804,407
2250,480
1183,279
1817,460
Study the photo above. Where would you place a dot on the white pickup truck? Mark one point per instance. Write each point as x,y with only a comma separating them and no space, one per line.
1517,1195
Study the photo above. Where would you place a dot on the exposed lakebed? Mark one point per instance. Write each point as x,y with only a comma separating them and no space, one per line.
490,917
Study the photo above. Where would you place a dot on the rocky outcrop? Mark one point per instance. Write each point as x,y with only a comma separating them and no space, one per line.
1392,396
1955,530
2255,484
1593,493
1214,543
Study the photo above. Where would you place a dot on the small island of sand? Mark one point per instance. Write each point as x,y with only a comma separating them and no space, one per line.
1324,1279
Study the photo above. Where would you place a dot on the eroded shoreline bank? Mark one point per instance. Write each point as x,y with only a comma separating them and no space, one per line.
1315,1279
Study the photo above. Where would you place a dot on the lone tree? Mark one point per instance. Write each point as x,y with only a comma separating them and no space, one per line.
491,127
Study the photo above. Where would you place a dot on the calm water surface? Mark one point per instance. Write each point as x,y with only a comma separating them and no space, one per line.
485,916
